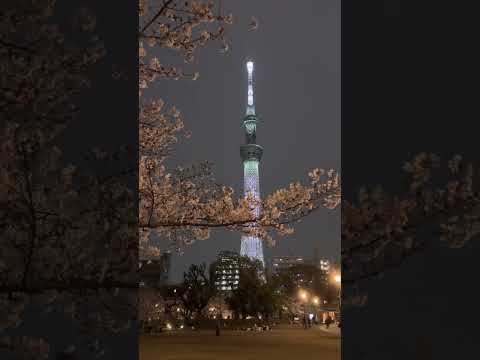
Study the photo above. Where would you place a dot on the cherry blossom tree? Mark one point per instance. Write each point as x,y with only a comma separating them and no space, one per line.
150,304
185,204
64,243
381,231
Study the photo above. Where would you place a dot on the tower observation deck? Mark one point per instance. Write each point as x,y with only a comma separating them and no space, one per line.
251,153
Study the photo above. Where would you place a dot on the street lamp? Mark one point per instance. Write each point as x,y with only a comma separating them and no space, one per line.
304,297
338,280
316,302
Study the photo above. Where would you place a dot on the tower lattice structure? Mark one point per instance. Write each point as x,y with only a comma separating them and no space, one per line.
251,153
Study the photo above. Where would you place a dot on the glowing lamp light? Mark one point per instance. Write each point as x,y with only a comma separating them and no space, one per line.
169,326
250,66
337,279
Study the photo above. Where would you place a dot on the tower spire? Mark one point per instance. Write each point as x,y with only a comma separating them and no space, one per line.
250,121
250,102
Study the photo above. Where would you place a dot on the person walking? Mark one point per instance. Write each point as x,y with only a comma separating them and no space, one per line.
328,321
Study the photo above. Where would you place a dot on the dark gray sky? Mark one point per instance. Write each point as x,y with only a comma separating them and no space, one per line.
296,51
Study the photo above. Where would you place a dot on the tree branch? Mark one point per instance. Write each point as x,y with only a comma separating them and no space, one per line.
156,16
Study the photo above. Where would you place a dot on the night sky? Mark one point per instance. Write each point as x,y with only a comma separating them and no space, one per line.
296,51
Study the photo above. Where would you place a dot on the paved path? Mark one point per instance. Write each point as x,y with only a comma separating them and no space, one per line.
333,329
279,344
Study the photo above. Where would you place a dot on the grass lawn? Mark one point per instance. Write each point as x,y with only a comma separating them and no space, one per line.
279,344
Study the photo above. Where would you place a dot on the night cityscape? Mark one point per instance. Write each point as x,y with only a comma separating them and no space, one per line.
253,283
238,180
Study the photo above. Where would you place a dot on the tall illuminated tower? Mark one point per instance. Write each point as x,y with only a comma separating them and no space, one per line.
251,153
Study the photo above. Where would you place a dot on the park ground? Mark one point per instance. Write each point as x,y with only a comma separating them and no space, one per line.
278,344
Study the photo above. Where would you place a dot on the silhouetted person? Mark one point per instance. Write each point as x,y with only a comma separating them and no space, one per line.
328,321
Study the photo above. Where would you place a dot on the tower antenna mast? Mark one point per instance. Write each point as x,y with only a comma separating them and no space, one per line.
250,100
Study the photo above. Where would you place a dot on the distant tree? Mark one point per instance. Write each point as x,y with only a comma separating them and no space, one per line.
306,276
254,295
243,300
270,301
196,290
150,304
